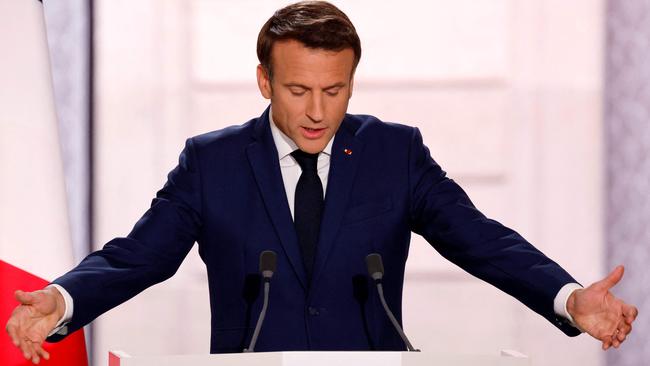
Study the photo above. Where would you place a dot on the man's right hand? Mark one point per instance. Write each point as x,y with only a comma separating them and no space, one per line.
32,321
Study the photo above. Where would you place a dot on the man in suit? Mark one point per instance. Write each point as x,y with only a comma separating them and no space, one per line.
323,189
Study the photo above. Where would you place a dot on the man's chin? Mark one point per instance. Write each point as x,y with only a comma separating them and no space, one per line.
312,146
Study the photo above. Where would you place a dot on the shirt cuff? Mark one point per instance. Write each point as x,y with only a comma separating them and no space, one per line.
60,327
561,299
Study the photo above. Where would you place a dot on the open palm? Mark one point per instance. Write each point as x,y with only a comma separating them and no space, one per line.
31,322
598,312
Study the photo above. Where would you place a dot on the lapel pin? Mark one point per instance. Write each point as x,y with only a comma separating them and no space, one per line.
347,151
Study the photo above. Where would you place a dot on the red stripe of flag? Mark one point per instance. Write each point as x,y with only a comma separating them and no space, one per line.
69,352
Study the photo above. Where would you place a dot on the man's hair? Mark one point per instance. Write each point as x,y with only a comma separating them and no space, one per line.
316,24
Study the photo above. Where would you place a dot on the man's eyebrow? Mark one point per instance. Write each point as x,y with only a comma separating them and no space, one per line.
337,85
298,85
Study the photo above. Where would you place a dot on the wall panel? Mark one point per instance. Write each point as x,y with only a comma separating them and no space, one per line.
506,94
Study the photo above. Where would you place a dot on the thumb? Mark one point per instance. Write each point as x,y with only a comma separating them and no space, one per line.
25,298
612,279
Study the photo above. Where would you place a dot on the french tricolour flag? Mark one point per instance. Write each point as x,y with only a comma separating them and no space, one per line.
35,242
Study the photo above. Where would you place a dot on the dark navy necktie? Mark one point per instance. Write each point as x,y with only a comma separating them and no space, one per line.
308,207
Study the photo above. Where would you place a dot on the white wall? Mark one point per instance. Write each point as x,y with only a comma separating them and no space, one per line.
507,94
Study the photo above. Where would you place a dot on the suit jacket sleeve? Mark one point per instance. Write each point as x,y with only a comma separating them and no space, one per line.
444,215
151,252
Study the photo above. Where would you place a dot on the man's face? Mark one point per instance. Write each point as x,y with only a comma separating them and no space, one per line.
309,92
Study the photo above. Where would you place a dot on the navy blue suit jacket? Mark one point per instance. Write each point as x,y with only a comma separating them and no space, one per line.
227,194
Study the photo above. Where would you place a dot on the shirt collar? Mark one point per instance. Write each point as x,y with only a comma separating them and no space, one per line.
286,145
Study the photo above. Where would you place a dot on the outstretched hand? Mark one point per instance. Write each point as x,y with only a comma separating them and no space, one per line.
33,320
605,317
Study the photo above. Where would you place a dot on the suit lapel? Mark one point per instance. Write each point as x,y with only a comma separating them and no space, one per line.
344,161
263,158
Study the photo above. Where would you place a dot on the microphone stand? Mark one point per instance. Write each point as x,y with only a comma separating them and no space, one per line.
268,263
260,319
376,272
380,290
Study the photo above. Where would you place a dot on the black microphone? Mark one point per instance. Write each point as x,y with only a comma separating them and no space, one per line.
268,263
376,271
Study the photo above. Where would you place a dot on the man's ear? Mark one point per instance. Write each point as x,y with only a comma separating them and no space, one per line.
263,82
351,85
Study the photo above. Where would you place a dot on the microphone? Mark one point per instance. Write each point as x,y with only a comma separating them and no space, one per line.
376,272
268,264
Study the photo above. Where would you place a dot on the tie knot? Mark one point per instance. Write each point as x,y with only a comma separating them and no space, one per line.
307,162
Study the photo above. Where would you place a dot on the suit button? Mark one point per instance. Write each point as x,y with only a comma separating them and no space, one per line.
313,311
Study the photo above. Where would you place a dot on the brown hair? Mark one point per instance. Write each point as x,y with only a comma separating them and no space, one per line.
316,24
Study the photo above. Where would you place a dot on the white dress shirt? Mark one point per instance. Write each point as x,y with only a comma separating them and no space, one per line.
289,166
290,174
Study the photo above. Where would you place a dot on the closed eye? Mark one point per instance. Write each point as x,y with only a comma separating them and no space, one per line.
333,91
297,91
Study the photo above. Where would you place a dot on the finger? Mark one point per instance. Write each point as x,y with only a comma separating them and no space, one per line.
41,352
607,342
621,336
26,298
625,328
605,345
612,279
12,331
36,359
26,349
630,313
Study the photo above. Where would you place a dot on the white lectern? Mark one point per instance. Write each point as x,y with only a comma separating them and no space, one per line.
506,358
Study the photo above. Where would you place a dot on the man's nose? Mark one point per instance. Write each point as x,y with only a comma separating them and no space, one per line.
315,107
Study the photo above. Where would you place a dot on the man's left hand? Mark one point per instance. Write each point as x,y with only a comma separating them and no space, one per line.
604,316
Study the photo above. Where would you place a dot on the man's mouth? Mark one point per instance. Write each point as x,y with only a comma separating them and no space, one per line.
312,133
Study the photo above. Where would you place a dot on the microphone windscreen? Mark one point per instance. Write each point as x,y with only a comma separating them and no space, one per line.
268,261
375,265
